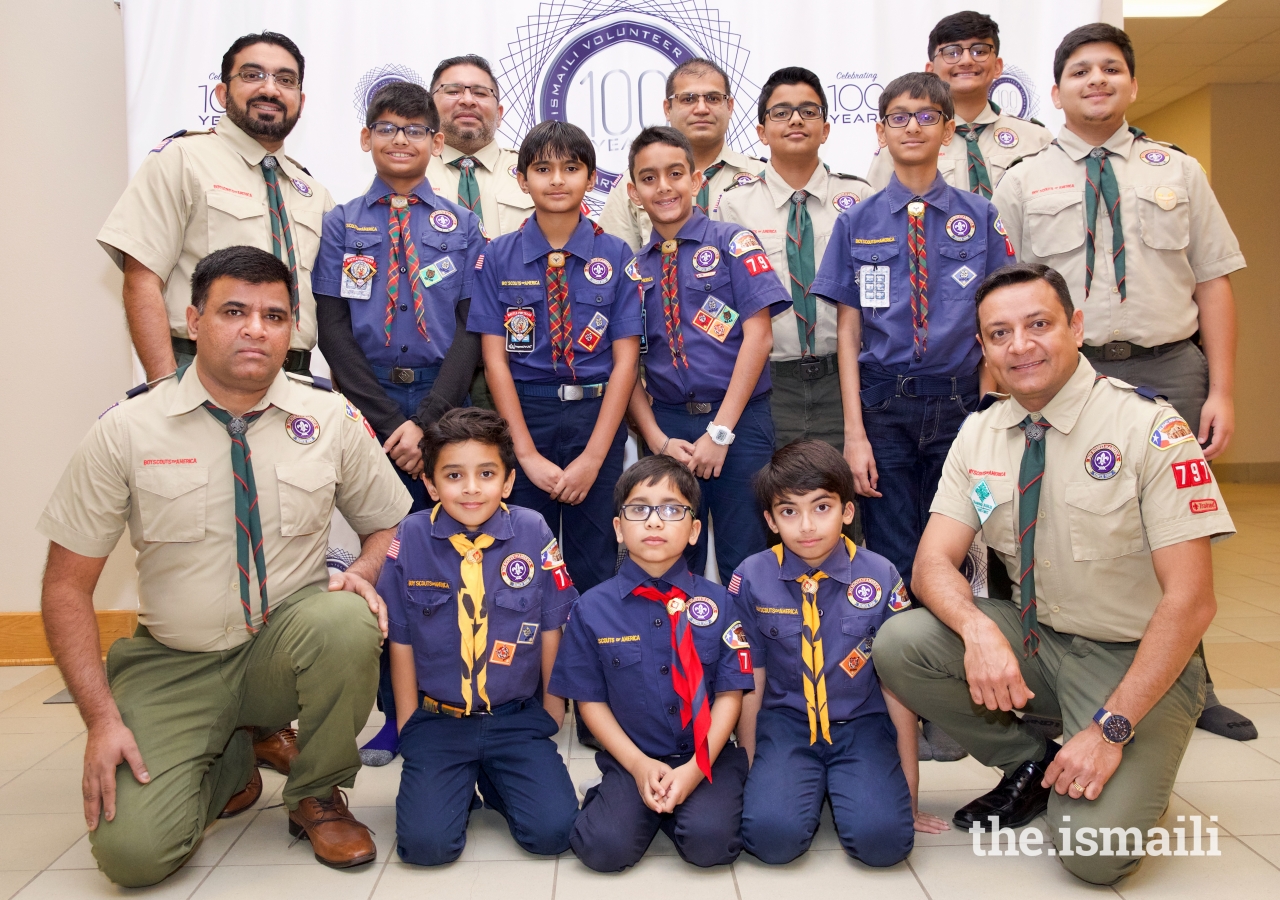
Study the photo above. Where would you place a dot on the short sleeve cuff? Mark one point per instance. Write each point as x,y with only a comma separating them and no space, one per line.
556,616
736,681
1216,527
389,518
118,245
1219,267
625,328
833,290
399,634
329,287
84,545
561,686
962,512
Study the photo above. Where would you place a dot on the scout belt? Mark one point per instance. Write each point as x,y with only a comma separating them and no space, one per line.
807,368
561,391
1114,351
294,360
404,374
459,712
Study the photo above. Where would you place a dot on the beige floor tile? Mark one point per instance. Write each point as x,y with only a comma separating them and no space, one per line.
581,771
1231,608
488,838
313,882
34,841
1265,845
70,755
956,873
34,791
529,879
944,804
266,841
41,725
1216,634
42,685
1257,663
1242,807
1222,759
1269,746
824,873
7,775
87,884
963,774
1235,697
22,751
1257,628
376,786
668,877
13,676
1238,869
33,706
12,882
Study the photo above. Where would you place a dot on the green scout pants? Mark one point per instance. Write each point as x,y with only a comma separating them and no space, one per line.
316,661
805,410
922,661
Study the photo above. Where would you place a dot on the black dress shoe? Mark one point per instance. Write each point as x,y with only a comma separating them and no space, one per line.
1016,800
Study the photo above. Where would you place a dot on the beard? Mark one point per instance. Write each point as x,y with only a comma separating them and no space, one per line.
255,127
472,138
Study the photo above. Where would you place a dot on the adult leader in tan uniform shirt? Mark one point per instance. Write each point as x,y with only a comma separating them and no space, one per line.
200,191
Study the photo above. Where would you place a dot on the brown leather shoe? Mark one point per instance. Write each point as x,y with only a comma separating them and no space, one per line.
245,799
339,841
278,751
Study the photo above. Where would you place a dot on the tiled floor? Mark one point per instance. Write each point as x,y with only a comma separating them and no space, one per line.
44,852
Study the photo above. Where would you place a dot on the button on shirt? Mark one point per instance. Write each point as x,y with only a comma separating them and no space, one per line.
874,234
857,596
514,275
617,650
203,192
730,282
1123,476
420,583
504,205
160,464
1175,234
447,243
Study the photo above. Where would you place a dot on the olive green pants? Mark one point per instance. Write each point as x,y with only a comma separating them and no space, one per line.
807,410
922,661
316,661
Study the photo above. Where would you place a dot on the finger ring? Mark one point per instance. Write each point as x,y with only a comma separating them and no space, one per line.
1077,787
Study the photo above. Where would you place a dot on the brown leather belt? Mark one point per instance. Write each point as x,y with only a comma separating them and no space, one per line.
1114,351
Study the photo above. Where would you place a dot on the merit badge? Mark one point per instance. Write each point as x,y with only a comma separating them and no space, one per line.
303,429
706,259
1155,157
844,200
633,269
874,281
551,558
898,599
960,227
443,220
1103,462
517,570
301,186
357,276
964,276
437,272
1203,506
1191,473
518,321
1172,431
735,637
598,271
528,631
1166,198
864,593
982,501
757,264
743,242
702,611
503,653
1006,138
916,208
857,658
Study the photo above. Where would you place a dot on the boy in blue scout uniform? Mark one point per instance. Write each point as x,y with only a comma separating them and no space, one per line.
709,297
560,330
476,594
819,724
904,265
659,679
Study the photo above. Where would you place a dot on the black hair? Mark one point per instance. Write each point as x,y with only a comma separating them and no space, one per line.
556,140
1096,33
917,85
405,99
801,467
963,26
1023,273
697,66
651,470
247,264
467,59
790,75
462,424
659,134
265,37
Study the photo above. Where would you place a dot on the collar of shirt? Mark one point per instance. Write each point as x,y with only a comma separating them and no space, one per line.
986,117
487,155
630,576
250,150
191,393
534,244
379,189
692,230
1078,148
838,565
899,196
1064,409
498,526
781,192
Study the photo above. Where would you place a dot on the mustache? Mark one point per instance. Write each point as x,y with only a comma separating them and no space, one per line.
262,99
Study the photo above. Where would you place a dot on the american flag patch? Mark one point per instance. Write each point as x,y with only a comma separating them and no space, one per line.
735,583
479,262
393,552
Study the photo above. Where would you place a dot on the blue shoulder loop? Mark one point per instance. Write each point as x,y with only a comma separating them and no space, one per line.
321,384
1149,392
135,391
987,400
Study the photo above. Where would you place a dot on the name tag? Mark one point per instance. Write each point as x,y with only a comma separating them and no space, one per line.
874,281
357,276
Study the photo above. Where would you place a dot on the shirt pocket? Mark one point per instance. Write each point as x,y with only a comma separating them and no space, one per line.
172,502
310,224
427,610
518,601
1164,229
623,674
1000,529
1056,223
237,220
1105,519
958,256
858,632
782,636
306,496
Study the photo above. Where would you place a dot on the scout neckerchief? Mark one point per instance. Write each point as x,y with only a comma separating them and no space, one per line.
979,180
1103,185
281,233
402,242
671,303
473,614
468,187
815,682
919,270
704,192
801,267
248,519
559,318
1030,477
686,671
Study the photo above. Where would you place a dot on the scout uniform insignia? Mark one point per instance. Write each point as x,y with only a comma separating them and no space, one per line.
960,227
593,332
716,318
982,500
1172,431
1154,157
444,221
706,259
518,321
1103,462
864,593
743,242
301,186
357,276
844,200
874,281
857,658
964,276
1007,137
504,652
1166,198
734,637
517,570
898,599
303,429
437,272
702,611
528,631
598,271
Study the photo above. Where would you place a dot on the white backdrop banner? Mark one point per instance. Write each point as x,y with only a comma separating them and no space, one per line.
600,64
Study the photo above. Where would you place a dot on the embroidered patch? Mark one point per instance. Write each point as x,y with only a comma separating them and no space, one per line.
757,264
999,227
744,662
857,659
743,178
735,637
743,242
513,170
563,581
1205,505
1166,198
1171,432
352,413
359,269
528,632
301,186
844,200
551,558
443,585
1103,462
517,570
393,551
633,269
735,584
479,224
1155,157
443,221
589,339
865,593
1007,137
437,271
705,259
960,227
716,318
519,323
702,611
303,429
504,652
964,276
598,271
1191,473
983,502
898,599
479,262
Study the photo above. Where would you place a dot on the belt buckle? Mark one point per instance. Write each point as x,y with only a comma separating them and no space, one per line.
902,386
810,368
569,392
697,409
1116,350
402,375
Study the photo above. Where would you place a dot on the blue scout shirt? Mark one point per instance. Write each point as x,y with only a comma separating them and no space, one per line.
724,276
527,590
617,650
510,289
448,240
963,244
861,590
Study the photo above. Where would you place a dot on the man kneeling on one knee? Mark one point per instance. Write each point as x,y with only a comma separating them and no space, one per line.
226,473
1097,498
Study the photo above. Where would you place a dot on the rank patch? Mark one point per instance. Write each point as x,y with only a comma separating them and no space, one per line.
589,339
857,658
1103,462
303,429
716,318
702,611
964,276
517,570
504,652
528,631
1191,473
1171,432
865,593
735,637
898,599
960,227
706,259
743,242
444,221
1154,157
757,264
437,271
844,200
1205,505
598,271
1007,137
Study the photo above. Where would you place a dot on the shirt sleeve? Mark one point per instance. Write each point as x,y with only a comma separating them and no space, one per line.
618,219
1007,200
486,310
1178,495
350,367
837,277
742,611
735,666
578,673
1214,249
952,497
370,493
756,285
558,592
326,274
90,506
626,321
476,244
391,587
897,601
999,250
149,220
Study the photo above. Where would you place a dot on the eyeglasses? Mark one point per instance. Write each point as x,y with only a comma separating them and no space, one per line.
977,52
689,99
668,512
478,91
287,80
415,133
783,112
924,118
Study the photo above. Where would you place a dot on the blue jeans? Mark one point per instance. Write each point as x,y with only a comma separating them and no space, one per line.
408,396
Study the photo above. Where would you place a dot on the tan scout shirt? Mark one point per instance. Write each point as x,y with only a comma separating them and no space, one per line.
1176,234
503,205
1005,139
162,464
622,218
764,206
1123,476
203,192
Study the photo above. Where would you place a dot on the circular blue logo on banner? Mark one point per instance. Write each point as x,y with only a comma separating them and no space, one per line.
376,79
1015,93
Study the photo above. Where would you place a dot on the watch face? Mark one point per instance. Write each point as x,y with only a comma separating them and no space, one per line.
1117,729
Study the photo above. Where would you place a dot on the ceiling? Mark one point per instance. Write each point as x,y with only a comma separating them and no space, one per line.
1237,43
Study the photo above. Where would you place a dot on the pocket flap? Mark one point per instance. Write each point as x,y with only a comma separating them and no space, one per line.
309,476
780,626
969,250
1052,204
1148,192
508,598
235,205
875,253
1100,497
360,241
310,219
172,481
859,626
428,596
621,653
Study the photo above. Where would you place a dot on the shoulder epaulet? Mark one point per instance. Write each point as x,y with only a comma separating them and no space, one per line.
182,132
1034,121
315,381
139,390
848,177
988,400
1148,393
1027,156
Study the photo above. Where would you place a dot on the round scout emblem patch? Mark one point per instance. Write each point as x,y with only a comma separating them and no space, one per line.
513,170
702,611
301,186
303,429
960,227
1006,138
844,200
743,178
706,259
517,570
864,593
443,220
598,271
1103,462
916,208
1166,198
1154,157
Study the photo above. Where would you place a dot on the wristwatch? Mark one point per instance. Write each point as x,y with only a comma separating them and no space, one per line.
719,434
1116,729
